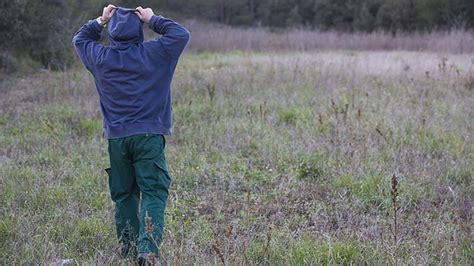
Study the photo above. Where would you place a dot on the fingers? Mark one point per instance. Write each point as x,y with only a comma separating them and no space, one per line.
109,8
139,15
144,14
108,12
141,12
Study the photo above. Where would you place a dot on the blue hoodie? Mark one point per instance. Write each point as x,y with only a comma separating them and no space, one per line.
133,77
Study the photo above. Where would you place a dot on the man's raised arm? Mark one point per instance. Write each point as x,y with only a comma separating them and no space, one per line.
174,36
86,38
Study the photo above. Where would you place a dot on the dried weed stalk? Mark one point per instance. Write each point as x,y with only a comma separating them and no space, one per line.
394,193
217,249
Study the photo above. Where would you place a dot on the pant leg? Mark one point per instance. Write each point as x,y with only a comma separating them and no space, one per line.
153,179
126,195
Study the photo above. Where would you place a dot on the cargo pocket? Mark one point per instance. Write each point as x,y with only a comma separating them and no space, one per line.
164,176
152,175
109,174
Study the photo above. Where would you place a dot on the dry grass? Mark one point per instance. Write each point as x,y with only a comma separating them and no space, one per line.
214,37
277,158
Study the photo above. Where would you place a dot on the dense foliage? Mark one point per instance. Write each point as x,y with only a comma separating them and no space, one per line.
349,15
43,29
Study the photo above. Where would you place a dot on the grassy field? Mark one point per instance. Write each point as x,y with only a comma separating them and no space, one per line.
276,158
215,37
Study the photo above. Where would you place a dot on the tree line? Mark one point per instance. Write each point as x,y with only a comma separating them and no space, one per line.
345,15
43,29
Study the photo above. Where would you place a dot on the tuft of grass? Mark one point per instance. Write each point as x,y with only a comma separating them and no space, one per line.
370,190
313,167
90,128
305,251
8,229
288,116
294,116
80,234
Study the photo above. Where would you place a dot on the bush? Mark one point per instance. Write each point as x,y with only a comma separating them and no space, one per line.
8,63
43,29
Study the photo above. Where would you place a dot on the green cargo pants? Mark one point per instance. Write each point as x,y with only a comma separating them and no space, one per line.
138,168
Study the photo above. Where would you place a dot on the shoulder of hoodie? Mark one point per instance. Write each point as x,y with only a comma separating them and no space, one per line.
151,49
155,46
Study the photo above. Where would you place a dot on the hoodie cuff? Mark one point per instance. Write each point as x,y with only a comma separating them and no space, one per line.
95,25
153,21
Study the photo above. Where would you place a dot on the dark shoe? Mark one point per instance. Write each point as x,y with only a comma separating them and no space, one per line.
145,259
142,260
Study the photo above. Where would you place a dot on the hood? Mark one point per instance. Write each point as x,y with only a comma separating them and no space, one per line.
125,28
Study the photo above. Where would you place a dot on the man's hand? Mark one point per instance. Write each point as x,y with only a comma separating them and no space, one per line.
108,13
145,14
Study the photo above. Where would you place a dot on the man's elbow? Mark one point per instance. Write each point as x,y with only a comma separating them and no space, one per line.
185,35
76,40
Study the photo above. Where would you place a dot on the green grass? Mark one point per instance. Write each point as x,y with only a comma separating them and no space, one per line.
304,251
294,152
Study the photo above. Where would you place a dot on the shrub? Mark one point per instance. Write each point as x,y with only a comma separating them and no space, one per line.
34,28
8,63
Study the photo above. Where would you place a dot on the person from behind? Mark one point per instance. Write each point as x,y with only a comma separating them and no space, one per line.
133,81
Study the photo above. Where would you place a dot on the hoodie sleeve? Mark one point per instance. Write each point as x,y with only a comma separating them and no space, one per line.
174,36
86,42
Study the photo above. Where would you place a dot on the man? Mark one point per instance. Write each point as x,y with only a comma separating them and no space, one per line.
133,80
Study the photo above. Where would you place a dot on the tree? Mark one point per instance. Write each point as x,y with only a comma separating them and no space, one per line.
251,4
275,12
294,18
366,17
334,14
11,26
